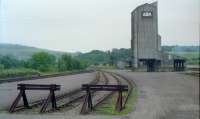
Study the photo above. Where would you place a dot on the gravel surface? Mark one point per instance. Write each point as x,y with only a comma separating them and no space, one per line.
8,91
162,95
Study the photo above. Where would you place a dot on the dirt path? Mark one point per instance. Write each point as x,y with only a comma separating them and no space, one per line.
165,95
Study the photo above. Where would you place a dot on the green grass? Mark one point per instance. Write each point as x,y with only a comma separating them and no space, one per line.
24,72
17,72
61,72
109,109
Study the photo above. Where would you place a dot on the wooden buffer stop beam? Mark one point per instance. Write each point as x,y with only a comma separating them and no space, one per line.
22,94
90,88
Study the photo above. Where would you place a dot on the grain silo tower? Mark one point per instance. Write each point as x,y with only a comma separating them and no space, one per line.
145,41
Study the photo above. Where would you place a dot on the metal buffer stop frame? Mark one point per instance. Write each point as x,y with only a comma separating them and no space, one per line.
91,88
22,94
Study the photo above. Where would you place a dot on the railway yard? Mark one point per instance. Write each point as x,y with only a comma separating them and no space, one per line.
160,95
71,60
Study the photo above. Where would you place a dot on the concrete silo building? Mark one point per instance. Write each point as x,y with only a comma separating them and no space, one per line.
145,39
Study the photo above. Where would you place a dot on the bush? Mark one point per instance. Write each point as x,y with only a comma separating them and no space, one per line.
1,67
42,61
10,62
7,73
67,63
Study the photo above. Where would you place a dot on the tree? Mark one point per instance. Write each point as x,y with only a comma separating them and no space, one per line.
10,62
42,61
65,63
111,61
83,65
76,64
1,67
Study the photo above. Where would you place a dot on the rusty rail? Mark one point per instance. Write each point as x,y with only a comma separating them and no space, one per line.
88,105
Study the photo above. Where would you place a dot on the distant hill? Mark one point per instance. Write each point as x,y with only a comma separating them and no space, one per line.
180,49
191,53
23,52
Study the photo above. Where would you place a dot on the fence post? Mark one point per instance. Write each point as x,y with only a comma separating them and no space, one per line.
53,98
119,100
25,101
89,98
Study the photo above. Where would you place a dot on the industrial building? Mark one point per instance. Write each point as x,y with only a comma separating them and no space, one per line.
146,41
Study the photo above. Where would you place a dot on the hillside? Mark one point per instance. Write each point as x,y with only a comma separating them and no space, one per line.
23,52
190,53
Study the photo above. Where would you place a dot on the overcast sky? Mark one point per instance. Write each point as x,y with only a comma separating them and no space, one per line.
84,25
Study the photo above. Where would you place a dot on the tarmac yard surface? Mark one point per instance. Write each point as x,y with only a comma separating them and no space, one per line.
162,95
8,91
165,95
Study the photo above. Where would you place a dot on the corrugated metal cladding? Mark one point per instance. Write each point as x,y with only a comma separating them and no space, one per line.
145,41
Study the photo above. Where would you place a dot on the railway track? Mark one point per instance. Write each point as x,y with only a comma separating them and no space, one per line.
36,105
117,80
72,101
76,99
130,84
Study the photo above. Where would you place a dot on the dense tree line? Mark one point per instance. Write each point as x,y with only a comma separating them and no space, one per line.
44,62
7,62
66,62
97,57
